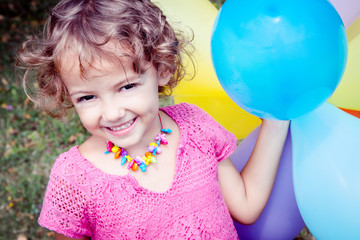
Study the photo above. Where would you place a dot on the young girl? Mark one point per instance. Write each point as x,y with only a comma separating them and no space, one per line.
134,178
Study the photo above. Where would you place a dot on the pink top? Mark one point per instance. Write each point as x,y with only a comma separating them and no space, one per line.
82,200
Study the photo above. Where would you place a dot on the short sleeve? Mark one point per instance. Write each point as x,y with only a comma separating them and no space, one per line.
64,206
224,142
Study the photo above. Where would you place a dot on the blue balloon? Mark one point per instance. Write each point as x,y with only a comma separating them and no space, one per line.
326,172
279,59
280,219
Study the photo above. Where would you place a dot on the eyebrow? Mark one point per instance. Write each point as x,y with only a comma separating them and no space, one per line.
129,79
80,93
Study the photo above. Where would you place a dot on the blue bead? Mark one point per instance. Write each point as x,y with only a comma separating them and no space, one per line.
143,167
166,130
123,161
106,152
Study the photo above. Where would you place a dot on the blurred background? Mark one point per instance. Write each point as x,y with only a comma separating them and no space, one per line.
30,140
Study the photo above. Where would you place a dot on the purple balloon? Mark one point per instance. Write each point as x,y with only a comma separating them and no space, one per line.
281,219
349,10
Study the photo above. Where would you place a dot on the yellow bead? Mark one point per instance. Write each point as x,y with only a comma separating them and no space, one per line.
114,149
153,144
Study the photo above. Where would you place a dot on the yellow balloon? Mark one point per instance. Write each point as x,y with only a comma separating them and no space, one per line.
204,90
347,94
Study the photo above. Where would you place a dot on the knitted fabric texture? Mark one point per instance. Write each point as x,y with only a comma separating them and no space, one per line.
81,200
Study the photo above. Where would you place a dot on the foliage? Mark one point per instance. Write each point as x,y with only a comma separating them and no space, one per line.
217,3
30,140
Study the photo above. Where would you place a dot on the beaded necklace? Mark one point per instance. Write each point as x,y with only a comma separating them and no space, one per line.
149,157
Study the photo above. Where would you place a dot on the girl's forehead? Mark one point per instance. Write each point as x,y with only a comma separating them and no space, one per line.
89,54
93,65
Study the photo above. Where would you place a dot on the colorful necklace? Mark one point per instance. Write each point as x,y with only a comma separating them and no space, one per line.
149,157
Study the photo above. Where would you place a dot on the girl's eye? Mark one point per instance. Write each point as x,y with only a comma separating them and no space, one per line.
127,87
86,98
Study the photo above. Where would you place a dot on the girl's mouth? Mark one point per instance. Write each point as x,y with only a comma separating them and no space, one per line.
122,127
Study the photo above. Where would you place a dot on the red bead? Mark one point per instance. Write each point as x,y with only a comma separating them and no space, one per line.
134,166
109,146
148,154
117,154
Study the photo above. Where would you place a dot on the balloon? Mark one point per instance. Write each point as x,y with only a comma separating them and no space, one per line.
281,219
205,90
347,94
279,59
352,112
326,167
348,10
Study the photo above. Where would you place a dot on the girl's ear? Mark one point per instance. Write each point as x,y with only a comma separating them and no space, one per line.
164,78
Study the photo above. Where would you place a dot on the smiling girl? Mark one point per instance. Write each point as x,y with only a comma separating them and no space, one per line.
145,172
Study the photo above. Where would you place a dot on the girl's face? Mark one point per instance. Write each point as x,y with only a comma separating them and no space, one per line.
113,102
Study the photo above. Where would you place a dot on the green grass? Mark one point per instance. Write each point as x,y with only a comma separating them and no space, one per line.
30,141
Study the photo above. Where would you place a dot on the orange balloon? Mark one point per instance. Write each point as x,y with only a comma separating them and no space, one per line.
352,112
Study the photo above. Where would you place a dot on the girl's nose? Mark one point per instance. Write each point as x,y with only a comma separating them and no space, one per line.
112,112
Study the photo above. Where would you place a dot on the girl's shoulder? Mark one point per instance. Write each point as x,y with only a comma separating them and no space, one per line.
70,157
193,117
186,112
201,129
70,164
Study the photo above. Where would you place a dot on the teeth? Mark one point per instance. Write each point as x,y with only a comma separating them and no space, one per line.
124,126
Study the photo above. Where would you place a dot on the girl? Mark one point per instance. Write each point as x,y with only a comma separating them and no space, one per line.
134,178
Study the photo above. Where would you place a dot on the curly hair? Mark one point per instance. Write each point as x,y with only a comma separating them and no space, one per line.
87,25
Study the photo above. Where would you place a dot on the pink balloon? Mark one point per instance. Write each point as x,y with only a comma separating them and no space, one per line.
281,219
349,10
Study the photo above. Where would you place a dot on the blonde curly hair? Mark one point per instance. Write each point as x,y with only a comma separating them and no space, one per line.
87,26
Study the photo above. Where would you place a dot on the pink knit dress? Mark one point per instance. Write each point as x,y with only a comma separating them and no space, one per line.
81,200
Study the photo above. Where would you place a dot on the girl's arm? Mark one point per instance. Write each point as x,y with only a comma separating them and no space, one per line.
247,193
59,236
